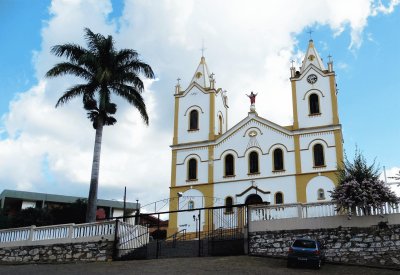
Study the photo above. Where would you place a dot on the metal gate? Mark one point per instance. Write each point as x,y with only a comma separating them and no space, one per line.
224,234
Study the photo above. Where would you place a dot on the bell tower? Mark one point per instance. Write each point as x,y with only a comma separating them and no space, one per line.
201,111
314,92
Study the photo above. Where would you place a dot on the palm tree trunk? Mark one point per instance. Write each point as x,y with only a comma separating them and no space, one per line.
94,179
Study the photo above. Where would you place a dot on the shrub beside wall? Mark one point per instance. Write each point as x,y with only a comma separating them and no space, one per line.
377,245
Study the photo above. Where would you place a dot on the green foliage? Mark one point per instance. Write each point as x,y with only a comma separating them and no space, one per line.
32,216
70,213
358,170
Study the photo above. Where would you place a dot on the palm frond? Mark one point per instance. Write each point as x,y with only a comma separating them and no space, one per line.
131,95
139,66
75,91
69,68
71,51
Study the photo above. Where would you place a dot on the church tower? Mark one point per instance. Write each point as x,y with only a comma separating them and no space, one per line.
315,112
201,111
314,92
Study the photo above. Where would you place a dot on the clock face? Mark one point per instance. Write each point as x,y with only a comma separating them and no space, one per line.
312,78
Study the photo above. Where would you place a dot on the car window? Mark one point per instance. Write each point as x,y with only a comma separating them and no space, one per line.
304,244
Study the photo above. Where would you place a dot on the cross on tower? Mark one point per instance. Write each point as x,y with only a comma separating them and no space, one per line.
310,33
329,57
178,79
202,48
292,61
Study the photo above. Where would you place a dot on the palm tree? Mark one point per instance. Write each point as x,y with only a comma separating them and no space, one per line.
105,71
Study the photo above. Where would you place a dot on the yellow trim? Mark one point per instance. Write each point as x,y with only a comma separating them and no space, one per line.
176,119
294,101
283,197
297,153
339,147
334,99
210,164
211,135
173,168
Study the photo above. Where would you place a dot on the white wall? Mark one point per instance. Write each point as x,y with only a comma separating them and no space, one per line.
28,204
185,219
316,183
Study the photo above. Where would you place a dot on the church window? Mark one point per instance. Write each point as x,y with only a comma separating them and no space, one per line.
219,124
278,198
314,104
253,163
194,120
278,159
228,205
229,166
191,205
321,194
192,169
318,152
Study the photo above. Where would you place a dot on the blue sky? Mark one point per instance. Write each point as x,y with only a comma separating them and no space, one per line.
246,52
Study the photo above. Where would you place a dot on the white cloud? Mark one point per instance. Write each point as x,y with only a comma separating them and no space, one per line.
249,46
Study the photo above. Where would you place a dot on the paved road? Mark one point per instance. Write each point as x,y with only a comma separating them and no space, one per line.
207,265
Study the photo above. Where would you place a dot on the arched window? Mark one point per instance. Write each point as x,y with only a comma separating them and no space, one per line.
219,124
191,205
192,169
278,198
229,165
318,152
228,205
314,104
321,194
278,159
253,163
194,120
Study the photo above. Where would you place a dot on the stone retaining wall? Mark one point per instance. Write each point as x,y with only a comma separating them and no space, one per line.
73,252
377,245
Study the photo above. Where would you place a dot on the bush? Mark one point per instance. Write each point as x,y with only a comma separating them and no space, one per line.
359,186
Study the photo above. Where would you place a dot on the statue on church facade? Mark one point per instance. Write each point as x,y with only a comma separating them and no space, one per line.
252,97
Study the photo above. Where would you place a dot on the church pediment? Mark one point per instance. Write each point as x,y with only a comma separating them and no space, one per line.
252,126
194,87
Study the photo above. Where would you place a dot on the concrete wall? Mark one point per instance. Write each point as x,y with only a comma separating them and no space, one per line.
61,253
378,244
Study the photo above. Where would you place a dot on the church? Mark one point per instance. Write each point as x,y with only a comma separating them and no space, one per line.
256,160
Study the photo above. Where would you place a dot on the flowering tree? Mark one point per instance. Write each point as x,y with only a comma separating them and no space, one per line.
359,186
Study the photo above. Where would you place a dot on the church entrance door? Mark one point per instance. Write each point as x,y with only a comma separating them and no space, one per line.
253,199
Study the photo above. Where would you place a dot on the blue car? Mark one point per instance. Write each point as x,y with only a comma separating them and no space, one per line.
307,252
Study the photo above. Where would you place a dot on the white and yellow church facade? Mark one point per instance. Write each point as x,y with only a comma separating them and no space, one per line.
256,160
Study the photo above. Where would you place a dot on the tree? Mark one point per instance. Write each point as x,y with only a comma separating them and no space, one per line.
359,186
32,216
106,71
